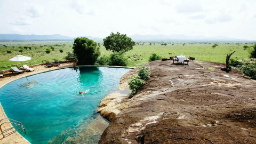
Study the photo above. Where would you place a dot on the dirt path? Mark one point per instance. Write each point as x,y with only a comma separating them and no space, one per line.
195,103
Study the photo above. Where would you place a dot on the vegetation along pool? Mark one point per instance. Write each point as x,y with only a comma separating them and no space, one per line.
49,103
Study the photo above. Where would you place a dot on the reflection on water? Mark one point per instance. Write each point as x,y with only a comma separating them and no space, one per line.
28,84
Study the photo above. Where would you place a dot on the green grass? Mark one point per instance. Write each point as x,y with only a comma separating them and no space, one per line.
37,52
140,54
136,57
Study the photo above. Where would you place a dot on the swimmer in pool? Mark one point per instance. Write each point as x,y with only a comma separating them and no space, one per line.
82,93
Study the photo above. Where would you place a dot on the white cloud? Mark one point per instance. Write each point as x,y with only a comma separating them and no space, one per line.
20,23
34,12
79,6
243,7
230,18
189,7
219,19
197,16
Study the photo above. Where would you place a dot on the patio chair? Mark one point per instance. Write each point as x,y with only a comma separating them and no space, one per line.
1,73
186,60
48,64
56,63
175,59
27,68
16,70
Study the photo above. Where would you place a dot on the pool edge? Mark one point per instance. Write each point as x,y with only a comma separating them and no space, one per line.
16,137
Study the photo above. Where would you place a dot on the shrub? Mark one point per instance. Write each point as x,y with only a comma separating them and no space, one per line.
52,48
154,57
104,60
144,72
235,62
253,52
61,51
70,56
248,67
117,59
214,45
245,47
21,50
9,51
135,84
47,50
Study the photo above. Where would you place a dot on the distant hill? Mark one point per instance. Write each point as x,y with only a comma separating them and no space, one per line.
180,37
13,37
137,38
56,37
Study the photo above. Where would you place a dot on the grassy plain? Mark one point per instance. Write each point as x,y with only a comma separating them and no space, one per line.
37,52
141,53
136,57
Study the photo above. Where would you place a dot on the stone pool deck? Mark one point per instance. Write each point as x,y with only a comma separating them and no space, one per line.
16,137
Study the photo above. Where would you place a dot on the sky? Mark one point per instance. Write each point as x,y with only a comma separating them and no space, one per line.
98,18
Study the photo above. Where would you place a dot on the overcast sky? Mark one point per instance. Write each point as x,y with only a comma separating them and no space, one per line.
98,18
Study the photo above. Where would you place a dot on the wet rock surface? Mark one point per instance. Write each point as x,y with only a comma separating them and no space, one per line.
195,103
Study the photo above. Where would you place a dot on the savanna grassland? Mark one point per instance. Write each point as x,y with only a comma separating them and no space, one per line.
35,50
136,57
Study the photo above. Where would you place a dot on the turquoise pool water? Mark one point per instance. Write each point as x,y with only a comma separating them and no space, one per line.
48,104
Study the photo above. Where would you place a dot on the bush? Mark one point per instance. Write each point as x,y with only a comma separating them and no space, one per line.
9,51
253,52
117,59
135,84
104,60
248,67
21,50
61,51
52,48
235,62
47,50
154,57
245,47
214,45
144,72
70,56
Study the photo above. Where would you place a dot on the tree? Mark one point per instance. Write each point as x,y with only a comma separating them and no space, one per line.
118,42
245,47
214,45
253,52
47,50
86,50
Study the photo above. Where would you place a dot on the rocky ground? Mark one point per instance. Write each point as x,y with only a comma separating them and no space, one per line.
195,103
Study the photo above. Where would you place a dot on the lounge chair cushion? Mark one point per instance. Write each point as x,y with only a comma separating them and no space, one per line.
28,68
15,69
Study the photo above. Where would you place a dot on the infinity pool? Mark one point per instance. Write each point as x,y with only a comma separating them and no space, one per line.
49,103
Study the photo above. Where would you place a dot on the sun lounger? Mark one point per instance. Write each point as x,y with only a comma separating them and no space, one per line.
27,68
1,73
48,64
56,63
186,60
16,70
